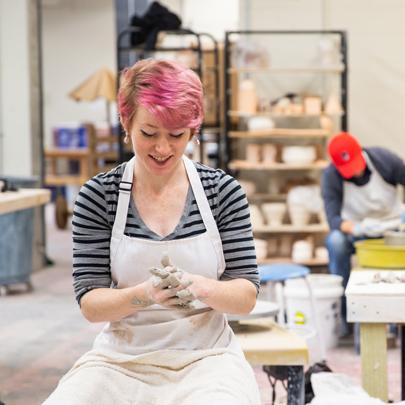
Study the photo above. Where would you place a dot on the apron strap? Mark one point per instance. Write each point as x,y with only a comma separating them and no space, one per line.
124,198
201,198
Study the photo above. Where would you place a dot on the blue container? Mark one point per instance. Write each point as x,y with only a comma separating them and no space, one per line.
66,138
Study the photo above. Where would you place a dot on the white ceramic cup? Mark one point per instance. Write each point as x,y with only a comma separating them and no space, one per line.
274,213
299,215
269,153
253,153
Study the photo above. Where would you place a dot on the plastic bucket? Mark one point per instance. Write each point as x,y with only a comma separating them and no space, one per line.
327,290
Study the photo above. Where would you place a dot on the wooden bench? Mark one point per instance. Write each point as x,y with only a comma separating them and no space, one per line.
266,343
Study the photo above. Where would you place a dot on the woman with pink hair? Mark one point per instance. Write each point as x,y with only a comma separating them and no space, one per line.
163,249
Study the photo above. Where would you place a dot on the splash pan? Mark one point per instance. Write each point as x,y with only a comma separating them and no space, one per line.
374,253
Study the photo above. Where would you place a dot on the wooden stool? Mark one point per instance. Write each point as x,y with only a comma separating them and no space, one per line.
266,343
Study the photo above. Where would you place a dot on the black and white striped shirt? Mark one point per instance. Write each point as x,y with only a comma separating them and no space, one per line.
94,215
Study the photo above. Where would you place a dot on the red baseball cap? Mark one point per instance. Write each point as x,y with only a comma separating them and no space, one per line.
346,154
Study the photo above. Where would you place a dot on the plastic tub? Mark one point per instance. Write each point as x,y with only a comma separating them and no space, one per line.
327,290
374,253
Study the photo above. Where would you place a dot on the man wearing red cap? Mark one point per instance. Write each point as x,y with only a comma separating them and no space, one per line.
361,198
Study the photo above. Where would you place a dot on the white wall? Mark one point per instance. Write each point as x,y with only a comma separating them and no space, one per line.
209,16
78,38
376,33
376,58
15,88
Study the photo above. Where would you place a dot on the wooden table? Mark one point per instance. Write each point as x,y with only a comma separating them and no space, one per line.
268,344
17,223
373,305
12,201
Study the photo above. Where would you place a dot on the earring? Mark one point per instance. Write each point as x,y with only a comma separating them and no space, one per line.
196,139
126,139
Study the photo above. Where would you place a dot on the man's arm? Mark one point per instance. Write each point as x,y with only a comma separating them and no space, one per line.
332,194
390,166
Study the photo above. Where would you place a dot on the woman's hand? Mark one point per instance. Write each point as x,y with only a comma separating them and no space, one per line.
199,286
168,288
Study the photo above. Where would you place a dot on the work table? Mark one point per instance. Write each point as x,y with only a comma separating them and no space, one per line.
373,305
17,235
11,201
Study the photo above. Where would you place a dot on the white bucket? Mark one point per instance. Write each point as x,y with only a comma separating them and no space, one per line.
327,290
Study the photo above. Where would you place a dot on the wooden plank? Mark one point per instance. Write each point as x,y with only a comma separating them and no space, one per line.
373,346
292,228
310,262
265,342
110,155
67,153
235,113
246,165
63,180
287,70
12,201
281,132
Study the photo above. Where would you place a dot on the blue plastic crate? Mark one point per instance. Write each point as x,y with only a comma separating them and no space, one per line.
67,138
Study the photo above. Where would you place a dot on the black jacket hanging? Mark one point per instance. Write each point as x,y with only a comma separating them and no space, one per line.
156,18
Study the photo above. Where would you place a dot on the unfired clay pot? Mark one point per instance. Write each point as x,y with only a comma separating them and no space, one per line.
299,215
274,213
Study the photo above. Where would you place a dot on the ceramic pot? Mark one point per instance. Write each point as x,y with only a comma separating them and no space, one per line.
253,153
298,154
301,250
274,213
269,152
249,187
321,253
256,217
261,249
299,215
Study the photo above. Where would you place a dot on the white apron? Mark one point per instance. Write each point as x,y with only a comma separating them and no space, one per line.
377,199
159,356
155,327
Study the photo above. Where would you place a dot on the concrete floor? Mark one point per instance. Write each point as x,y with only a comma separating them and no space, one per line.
42,333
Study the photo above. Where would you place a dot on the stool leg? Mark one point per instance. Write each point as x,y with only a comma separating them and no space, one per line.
280,301
319,332
295,385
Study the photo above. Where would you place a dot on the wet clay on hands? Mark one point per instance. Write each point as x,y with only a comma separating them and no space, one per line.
170,277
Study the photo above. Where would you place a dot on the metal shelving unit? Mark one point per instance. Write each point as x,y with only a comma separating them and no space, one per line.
297,133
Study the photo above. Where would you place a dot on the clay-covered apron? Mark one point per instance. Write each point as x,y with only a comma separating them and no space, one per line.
376,199
157,328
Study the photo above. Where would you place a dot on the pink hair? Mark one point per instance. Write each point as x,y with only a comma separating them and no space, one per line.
170,91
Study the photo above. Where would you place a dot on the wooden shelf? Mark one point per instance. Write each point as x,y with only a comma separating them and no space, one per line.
68,153
289,228
287,70
279,115
310,262
267,196
64,180
107,139
246,165
109,155
281,132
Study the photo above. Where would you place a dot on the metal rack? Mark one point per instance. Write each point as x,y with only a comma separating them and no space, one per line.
127,55
300,132
227,73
